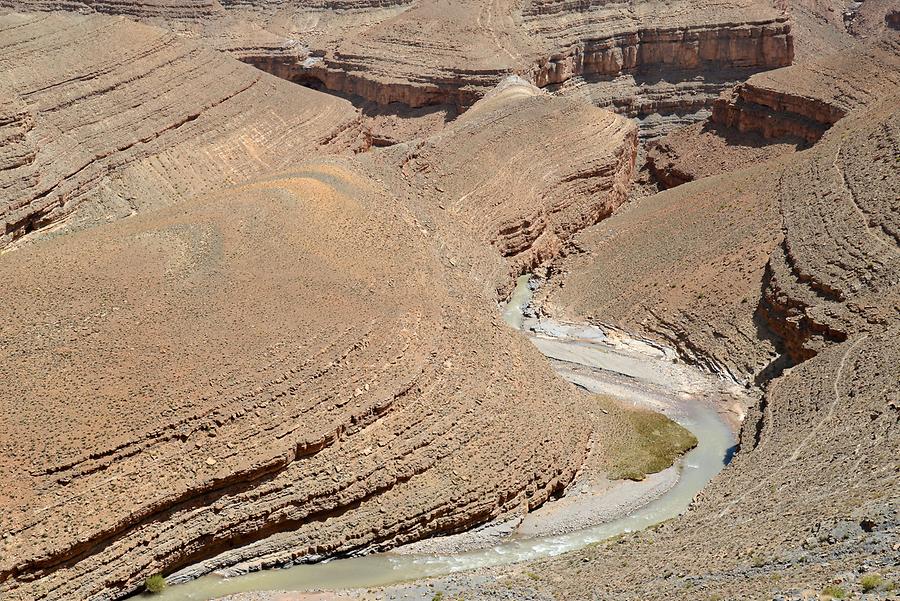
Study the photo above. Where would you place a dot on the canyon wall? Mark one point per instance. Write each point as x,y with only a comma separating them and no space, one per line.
723,233
778,112
663,63
106,134
806,99
276,370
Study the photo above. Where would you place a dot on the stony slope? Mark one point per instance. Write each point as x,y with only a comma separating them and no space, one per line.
685,266
105,134
799,256
308,364
273,366
776,112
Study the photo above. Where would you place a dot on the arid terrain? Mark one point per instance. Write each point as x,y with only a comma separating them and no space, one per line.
254,256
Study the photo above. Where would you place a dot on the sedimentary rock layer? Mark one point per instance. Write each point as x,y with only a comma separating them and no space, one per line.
302,365
779,111
525,199
668,59
288,365
106,117
433,52
804,100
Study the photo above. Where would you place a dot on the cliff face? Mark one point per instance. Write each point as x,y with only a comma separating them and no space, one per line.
775,114
666,62
637,67
104,134
778,112
805,100
764,45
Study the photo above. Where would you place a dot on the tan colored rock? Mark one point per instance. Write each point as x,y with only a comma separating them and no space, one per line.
804,100
306,364
103,134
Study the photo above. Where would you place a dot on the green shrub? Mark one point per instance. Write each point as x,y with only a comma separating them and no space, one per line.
650,443
870,582
833,591
438,596
155,583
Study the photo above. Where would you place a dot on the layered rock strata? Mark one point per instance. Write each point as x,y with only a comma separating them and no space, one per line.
299,366
107,133
778,112
528,200
805,100
640,63
430,53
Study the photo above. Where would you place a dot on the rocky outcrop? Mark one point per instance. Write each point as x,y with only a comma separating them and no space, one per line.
706,149
104,134
805,100
820,291
774,114
313,362
576,177
697,48
577,48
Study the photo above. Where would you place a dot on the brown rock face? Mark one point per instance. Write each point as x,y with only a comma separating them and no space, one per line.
640,59
777,112
104,134
820,291
804,100
553,199
302,365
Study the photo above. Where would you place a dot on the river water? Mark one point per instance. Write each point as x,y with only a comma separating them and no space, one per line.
715,442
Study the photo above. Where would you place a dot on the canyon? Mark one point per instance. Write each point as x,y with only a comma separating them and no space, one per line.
253,253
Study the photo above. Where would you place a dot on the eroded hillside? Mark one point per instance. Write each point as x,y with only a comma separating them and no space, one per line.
240,336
